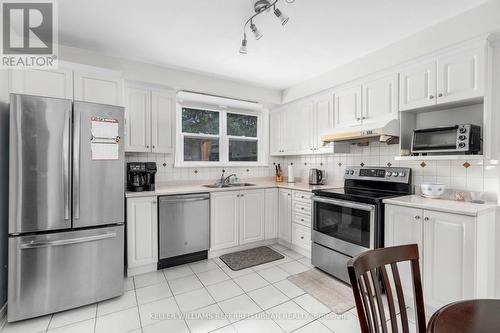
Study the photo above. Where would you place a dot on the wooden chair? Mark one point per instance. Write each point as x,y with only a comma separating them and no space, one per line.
365,273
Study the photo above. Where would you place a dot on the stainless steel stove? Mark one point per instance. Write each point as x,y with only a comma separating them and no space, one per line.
350,220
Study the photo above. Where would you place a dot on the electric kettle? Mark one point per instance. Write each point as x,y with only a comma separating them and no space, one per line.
316,177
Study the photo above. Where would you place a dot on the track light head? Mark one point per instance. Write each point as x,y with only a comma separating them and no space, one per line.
243,47
283,18
257,34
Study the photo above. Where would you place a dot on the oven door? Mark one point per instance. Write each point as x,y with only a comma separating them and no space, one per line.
344,226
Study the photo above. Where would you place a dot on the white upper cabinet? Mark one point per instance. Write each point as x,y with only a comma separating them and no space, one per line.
252,216
348,107
98,87
149,119
137,120
162,115
449,257
323,120
56,83
461,75
276,132
304,131
452,77
417,86
380,99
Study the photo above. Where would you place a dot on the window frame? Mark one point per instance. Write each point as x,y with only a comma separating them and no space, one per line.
223,137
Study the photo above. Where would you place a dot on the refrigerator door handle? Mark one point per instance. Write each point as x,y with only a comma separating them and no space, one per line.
67,165
76,164
32,245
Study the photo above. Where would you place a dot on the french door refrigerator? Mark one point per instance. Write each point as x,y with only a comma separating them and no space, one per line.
66,208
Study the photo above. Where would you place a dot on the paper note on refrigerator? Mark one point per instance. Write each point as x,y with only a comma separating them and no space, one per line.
105,141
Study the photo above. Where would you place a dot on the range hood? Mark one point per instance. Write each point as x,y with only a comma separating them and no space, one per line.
386,131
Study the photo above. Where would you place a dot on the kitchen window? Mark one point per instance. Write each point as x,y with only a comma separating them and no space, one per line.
211,137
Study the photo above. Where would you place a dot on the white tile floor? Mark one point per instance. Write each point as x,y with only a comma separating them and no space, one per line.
204,297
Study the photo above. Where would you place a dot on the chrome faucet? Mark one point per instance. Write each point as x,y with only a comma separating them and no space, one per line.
226,180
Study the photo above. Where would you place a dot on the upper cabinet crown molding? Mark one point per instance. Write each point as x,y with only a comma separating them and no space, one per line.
98,88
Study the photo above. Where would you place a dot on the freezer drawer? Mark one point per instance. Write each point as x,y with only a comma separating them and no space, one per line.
59,271
183,224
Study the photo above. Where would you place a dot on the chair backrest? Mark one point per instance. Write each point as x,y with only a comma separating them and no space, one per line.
367,272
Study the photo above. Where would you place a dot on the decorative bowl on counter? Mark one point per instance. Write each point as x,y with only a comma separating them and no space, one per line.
432,190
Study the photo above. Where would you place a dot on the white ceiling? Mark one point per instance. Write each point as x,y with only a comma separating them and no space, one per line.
205,35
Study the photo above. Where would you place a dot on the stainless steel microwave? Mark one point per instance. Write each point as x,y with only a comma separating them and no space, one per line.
447,139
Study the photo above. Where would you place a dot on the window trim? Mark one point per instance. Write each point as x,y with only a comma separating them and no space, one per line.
223,138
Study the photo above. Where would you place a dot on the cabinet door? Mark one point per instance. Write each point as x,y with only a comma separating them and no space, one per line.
224,217
417,86
271,216
290,139
276,132
138,120
305,127
380,99
285,215
142,231
323,121
403,225
449,252
162,113
56,83
348,107
98,88
461,75
251,216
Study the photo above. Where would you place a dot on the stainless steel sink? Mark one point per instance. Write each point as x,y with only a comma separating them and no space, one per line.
218,185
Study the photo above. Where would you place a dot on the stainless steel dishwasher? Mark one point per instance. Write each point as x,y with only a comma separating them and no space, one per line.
183,228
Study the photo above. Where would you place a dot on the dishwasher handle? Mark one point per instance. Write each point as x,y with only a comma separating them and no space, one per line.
184,198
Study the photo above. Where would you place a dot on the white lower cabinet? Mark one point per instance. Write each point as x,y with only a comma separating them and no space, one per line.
449,245
224,217
285,215
271,213
252,216
142,234
236,218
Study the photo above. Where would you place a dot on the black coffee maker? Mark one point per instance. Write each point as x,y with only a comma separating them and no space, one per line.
141,176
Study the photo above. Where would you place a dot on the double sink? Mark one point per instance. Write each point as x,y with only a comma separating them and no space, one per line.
223,185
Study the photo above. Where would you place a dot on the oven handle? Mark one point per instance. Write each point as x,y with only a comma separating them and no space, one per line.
344,203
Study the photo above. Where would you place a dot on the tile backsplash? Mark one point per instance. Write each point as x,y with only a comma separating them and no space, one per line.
167,172
464,174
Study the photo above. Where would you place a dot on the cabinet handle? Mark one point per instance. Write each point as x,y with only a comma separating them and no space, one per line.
302,196
153,147
301,237
363,117
426,219
302,208
241,195
431,97
237,195
358,119
302,220
153,203
147,147
440,95
417,217
288,194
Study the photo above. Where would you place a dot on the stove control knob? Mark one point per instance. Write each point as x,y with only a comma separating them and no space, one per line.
395,174
461,145
347,172
462,130
351,172
388,173
402,174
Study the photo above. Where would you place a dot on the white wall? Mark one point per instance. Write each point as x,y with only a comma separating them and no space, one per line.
478,21
173,78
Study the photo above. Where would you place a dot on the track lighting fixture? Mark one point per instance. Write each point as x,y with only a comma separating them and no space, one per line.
261,6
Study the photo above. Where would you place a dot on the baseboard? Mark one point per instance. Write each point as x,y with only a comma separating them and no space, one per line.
142,269
217,253
3,315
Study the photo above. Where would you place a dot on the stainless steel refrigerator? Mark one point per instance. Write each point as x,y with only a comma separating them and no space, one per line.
66,207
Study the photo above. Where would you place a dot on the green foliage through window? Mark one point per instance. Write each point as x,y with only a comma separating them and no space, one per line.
241,125
200,121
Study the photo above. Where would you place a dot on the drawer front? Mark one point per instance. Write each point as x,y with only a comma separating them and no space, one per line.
302,219
302,196
303,208
301,236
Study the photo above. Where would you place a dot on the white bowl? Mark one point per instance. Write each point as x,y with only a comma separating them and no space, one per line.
432,190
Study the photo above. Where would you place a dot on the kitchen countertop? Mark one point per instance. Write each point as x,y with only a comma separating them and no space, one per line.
443,205
173,188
